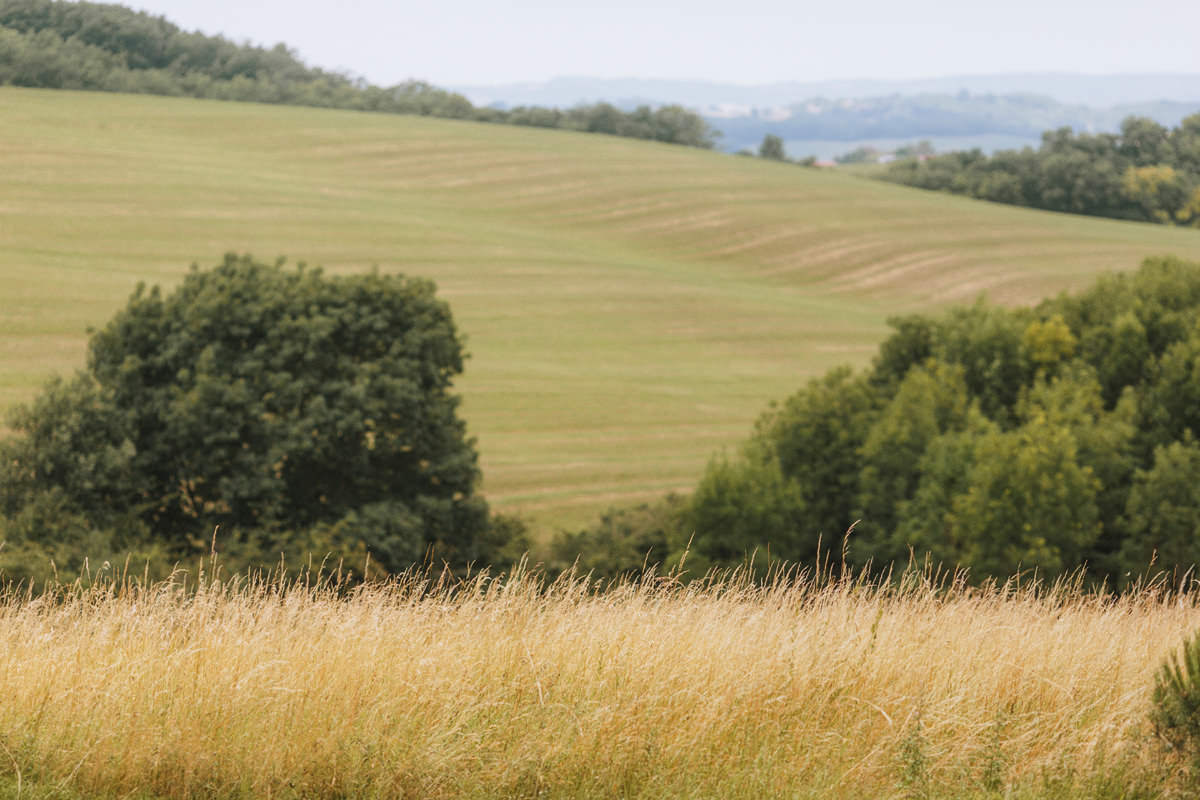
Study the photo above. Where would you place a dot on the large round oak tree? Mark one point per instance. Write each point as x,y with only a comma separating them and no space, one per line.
264,399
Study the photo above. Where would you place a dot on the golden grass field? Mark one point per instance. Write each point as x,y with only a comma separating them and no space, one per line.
630,307
802,688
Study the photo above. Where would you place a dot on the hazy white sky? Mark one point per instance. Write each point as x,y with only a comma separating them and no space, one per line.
480,42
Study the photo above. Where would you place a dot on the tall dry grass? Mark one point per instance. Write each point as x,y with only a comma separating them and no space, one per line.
506,688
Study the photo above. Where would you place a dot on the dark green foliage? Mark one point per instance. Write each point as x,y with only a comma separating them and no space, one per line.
1173,399
746,510
1125,323
48,537
910,344
1146,172
1176,702
931,401
673,124
1163,512
624,541
927,523
987,342
53,44
772,148
1105,445
269,402
815,438
1028,502
1047,438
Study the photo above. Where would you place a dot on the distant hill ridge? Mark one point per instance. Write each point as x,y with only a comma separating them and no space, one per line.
107,47
1096,91
806,115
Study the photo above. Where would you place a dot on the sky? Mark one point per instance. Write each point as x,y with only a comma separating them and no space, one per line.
476,42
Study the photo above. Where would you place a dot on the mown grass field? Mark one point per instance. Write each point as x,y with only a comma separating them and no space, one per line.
798,689
630,307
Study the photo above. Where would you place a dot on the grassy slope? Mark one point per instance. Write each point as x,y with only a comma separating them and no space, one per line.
630,307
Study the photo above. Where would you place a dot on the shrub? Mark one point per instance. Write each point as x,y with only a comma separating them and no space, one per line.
623,541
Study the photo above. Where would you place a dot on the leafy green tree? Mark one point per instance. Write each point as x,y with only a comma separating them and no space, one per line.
1028,502
1164,515
1163,193
624,540
678,125
1125,323
1144,142
743,508
1146,172
910,344
1123,362
74,455
930,401
815,437
926,523
989,343
772,148
266,401
1189,212
1105,441
1047,342
1172,405
71,443
1185,145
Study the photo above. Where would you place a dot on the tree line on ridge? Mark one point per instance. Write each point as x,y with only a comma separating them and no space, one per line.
53,44
1145,172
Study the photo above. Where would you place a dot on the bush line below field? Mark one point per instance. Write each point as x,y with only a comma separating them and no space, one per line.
303,414
1043,438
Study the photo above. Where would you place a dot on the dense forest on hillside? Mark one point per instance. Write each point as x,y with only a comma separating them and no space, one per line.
1051,437
1146,172
53,44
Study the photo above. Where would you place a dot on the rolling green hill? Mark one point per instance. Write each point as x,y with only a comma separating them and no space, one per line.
630,307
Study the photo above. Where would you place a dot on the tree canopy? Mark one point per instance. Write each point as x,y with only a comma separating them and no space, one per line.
1146,172
276,403
995,439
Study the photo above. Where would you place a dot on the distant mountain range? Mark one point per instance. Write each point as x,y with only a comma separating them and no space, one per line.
827,117
1020,118
1100,91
